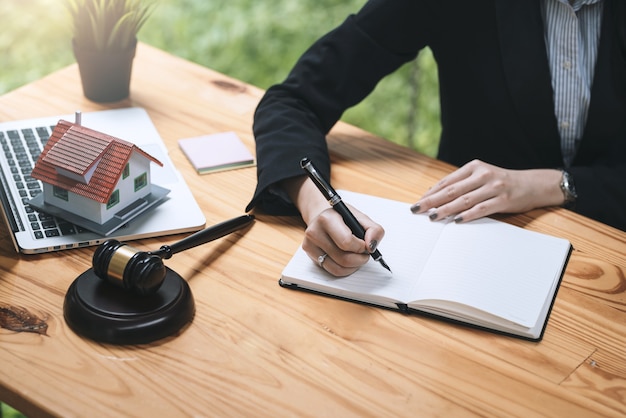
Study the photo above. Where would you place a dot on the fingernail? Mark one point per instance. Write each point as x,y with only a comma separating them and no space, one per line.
432,214
458,219
373,246
415,208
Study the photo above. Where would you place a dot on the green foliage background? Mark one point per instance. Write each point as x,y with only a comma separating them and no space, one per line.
256,41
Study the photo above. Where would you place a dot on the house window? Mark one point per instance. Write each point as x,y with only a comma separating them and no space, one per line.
141,181
60,193
114,199
126,171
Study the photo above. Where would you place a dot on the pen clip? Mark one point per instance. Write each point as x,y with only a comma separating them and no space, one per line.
322,185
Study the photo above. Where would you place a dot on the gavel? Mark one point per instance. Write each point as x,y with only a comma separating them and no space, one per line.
143,272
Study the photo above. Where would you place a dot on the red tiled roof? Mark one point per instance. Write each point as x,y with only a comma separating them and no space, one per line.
76,148
77,152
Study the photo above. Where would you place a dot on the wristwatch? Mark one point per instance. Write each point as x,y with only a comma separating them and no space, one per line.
568,189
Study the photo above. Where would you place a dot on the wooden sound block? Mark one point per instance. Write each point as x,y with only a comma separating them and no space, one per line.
98,310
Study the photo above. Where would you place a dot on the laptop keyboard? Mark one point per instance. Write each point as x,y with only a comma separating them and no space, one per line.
22,148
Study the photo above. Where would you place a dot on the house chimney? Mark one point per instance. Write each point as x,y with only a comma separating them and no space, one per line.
77,117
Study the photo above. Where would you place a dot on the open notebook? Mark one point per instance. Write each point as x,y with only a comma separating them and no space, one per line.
34,232
485,273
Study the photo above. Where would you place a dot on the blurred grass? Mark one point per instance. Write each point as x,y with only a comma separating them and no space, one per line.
254,41
8,412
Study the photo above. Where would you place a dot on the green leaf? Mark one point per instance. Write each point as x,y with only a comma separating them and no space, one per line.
107,24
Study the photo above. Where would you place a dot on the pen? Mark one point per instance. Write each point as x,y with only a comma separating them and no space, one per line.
335,201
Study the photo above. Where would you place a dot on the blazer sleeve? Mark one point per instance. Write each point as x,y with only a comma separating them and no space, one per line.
335,73
599,169
602,194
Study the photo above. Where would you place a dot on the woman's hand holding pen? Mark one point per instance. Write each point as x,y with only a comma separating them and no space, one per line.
479,189
327,233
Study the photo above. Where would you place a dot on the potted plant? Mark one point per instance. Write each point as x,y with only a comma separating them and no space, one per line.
104,43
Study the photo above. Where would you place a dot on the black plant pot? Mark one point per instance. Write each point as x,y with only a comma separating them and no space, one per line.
105,75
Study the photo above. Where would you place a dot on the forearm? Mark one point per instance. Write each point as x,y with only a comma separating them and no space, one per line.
305,196
293,117
546,187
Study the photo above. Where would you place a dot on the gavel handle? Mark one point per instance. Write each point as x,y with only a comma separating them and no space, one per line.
204,236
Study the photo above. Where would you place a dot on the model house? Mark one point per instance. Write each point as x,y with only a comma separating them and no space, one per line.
91,178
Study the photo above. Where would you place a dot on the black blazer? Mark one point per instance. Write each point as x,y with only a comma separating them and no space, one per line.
495,88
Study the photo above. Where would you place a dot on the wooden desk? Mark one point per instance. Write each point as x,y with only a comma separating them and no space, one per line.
255,349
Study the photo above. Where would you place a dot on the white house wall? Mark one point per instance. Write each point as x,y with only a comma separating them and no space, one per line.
79,205
96,211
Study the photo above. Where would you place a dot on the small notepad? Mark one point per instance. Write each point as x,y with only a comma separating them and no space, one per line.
216,152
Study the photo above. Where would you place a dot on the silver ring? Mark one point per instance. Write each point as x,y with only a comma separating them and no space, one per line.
321,259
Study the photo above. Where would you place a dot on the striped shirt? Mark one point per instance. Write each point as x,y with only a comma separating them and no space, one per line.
572,34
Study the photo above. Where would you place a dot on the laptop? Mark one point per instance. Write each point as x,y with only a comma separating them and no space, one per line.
35,232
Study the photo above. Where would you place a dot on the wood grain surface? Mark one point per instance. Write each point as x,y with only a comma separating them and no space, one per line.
256,349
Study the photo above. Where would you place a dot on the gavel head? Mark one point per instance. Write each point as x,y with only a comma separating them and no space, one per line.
127,267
